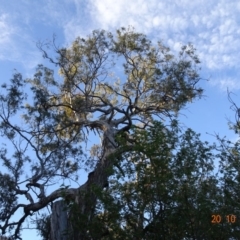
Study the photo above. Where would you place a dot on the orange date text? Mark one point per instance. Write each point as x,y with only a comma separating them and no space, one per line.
218,219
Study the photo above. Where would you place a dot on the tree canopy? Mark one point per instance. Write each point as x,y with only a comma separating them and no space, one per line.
146,179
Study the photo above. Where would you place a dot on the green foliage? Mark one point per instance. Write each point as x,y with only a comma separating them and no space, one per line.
8,198
154,78
165,188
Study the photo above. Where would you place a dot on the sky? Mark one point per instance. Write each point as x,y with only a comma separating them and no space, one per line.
212,26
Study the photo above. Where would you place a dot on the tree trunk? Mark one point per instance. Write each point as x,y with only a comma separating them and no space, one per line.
59,221
86,199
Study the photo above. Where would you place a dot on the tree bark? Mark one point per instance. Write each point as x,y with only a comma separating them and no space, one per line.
59,221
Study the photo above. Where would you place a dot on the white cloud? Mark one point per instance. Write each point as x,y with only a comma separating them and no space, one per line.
213,28
226,83
15,44
5,30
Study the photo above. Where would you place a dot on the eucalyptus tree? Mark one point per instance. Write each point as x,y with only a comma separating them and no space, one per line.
107,84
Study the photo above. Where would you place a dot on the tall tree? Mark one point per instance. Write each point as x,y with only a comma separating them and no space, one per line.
110,83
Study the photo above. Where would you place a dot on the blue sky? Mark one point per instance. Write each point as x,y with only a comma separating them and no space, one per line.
212,26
